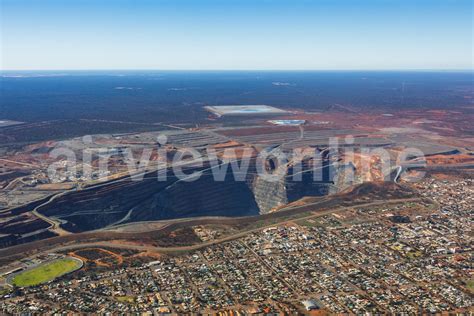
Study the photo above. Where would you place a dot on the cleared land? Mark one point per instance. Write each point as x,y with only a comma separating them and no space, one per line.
46,272
176,233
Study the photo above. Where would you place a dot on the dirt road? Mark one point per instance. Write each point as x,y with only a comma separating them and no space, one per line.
226,238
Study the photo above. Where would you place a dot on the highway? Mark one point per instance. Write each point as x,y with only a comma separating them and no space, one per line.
225,238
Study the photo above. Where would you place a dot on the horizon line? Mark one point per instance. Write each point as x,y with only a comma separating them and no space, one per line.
249,70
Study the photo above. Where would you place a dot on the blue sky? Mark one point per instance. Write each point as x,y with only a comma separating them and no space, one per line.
230,34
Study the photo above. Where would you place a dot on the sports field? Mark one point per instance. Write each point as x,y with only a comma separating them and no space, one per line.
46,272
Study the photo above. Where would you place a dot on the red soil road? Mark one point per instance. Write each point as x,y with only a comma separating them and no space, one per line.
327,205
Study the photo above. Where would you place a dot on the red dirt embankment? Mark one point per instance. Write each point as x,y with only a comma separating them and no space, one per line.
180,234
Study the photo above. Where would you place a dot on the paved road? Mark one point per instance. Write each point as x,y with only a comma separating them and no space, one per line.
226,238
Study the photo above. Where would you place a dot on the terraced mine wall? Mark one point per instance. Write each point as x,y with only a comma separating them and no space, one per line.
17,227
293,186
9,240
150,199
360,195
126,201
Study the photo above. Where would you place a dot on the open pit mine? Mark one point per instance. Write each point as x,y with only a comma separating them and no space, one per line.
130,200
